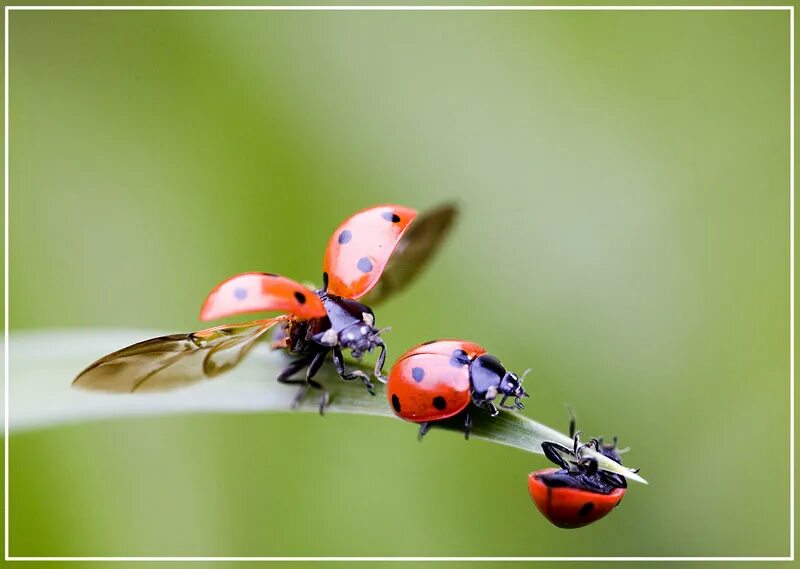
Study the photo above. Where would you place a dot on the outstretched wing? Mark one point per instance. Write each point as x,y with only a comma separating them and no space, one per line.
261,292
169,362
416,248
360,248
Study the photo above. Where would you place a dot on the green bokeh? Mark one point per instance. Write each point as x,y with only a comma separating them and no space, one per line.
624,182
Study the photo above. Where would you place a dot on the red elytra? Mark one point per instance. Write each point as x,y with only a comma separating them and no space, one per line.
259,292
360,247
569,507
446,348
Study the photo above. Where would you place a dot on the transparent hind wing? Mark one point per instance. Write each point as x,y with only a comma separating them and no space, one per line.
174,361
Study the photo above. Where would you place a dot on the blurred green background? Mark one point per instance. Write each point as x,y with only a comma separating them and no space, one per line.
624,184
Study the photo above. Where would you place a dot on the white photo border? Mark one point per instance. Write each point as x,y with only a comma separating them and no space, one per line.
485,8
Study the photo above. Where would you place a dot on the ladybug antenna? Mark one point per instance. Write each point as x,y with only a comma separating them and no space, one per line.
522,391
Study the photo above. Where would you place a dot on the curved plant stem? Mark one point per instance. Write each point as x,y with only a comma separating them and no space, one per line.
43,364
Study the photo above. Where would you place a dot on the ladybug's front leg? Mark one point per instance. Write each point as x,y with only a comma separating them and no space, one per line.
338,360
484,404
379,364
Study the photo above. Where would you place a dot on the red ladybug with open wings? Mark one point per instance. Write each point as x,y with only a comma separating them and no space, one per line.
373,254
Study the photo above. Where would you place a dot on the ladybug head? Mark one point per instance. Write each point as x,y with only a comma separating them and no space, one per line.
511,386
361,339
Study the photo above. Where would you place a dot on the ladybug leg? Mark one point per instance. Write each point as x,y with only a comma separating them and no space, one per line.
591,466
551,452
483,404
314,362
576,439
571,422
423,430
338,361
379,364
313,368
467,423
292,368
516,405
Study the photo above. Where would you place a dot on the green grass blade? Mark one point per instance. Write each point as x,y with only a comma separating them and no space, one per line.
43,364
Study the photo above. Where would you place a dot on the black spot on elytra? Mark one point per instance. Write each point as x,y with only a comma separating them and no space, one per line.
586,508
391,216
324,281
395,402
459,358
364,265
240,293
418,374
439,402
345,236
301,298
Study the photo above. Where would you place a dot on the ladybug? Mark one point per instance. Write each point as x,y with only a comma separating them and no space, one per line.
578,493
442,378
373,254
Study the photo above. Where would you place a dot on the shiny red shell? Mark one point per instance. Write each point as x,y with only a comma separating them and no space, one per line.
261,292
360,247
570,507
426,384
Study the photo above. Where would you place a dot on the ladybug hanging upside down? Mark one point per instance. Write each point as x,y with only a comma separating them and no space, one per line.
579,492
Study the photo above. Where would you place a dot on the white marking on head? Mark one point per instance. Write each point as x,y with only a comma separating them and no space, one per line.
491,393
368,318
351,336
330,338
364,329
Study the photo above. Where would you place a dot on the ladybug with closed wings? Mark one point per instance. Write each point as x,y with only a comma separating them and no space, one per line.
440,379
579,492
370,256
